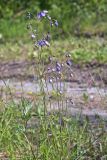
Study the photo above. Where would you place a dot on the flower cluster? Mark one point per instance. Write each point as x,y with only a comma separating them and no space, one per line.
45,40
59,70
42,43
44,14
58,67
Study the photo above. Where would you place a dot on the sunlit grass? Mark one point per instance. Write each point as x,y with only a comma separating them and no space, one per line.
82,50
54,136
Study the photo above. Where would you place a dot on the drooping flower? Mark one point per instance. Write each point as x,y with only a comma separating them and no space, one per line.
58,67
42,43
42,14
58,64
56,23
69,62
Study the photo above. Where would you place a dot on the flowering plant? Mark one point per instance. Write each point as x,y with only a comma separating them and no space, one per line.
54,72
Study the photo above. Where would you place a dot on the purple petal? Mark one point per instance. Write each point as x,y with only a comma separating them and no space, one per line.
56,23
69,62
41,14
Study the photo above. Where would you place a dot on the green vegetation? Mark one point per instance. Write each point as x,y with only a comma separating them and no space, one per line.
72,15
27,130
82,50
52,136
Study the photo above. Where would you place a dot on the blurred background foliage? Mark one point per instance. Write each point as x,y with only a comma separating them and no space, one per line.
74,16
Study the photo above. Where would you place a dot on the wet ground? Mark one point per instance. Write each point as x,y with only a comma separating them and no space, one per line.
85,92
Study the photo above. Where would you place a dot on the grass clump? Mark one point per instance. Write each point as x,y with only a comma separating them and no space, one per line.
54,136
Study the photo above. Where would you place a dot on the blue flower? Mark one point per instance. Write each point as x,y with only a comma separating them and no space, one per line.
58,64
56,23
42,43
69,62
58,67
42,14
